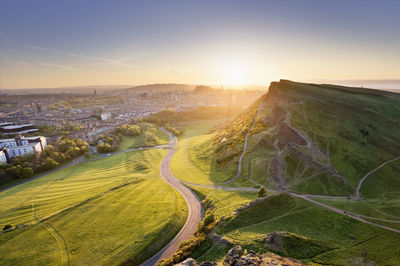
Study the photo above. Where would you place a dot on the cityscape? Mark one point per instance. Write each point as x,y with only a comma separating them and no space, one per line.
200,133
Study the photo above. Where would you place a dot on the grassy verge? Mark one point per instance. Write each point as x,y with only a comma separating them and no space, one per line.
194,160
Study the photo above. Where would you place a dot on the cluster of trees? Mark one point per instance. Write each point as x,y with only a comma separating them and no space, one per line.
129,130
63,151
106,144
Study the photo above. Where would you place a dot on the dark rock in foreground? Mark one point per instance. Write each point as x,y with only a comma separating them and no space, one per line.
236,257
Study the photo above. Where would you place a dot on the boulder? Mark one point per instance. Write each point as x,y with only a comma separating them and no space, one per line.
233,254
208,263
187,262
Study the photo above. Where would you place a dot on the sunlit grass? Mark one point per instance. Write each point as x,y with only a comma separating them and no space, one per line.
99,212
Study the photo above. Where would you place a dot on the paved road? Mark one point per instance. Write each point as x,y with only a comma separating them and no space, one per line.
195,210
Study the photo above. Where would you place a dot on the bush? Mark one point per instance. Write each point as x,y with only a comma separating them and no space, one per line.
27,172
262,192
129,130
105,148
7,226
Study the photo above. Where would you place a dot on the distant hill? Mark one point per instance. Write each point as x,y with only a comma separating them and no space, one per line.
168,87
58,90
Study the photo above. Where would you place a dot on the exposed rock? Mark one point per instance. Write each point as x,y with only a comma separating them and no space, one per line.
252,258
233,255
309,160
188,262
207,263
287,134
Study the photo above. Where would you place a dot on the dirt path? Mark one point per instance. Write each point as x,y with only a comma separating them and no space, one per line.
357,194
348,214
246,137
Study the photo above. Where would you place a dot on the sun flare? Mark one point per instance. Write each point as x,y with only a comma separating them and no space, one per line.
235,73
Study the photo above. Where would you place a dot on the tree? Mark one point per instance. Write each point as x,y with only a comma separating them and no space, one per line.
50,164
27,172
262,192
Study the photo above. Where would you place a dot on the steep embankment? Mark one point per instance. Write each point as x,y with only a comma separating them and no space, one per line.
316,139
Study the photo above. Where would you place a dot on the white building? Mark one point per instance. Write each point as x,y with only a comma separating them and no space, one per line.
3,157
20,145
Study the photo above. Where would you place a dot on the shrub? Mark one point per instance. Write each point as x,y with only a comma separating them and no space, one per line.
7,226
262,192
129,130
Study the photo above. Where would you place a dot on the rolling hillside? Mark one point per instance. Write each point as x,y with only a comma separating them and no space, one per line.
319,139
101,212
329,158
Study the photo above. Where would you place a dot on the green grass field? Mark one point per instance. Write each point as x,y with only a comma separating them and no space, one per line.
194,160
225,202
98,212
317,235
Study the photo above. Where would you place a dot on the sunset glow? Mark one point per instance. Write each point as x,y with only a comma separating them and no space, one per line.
222,42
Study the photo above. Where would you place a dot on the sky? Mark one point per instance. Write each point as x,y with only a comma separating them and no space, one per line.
54,43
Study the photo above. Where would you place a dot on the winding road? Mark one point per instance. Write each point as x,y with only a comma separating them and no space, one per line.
195,213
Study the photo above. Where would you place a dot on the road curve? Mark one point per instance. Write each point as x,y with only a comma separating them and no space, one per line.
195,213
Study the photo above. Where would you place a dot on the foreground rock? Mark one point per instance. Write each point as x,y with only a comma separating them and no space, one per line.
237,257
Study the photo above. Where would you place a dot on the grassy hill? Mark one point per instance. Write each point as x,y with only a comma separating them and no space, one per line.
99,212
336,145
318,139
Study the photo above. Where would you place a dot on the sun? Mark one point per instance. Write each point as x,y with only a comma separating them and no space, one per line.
235,73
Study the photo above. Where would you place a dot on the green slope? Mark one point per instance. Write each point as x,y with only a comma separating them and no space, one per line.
318,140
99,212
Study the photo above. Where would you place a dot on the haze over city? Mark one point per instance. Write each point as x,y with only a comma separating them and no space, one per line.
231,43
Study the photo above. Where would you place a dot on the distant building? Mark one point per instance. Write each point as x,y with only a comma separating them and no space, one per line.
21,146
105,116
8,129
3,156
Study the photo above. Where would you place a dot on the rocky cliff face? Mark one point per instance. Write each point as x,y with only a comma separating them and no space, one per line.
237,257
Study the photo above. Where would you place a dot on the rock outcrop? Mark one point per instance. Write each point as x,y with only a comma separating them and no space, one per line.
236,256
